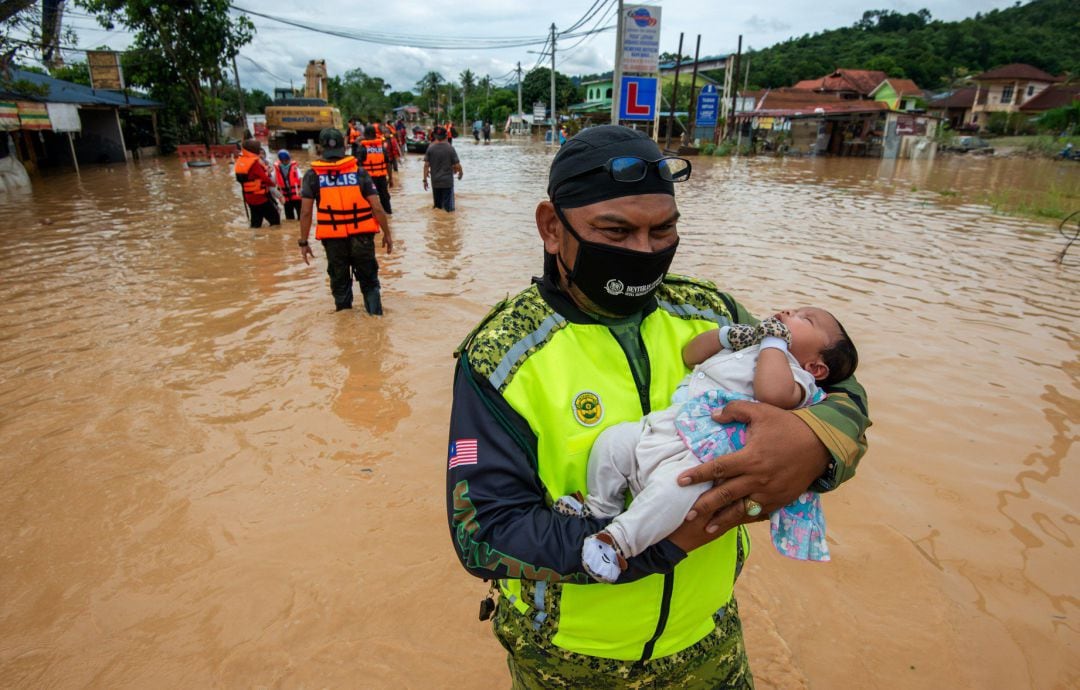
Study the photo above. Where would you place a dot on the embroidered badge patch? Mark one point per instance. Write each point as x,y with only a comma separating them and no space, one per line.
588,410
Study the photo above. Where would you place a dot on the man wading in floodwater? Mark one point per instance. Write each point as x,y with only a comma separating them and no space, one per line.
347,219
595,342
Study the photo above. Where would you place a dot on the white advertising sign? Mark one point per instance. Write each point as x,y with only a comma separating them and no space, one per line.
641,39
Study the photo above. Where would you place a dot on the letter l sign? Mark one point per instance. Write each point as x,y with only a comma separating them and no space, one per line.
633,107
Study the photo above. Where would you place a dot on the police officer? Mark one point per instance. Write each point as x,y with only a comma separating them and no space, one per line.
345,203
595,342
373,157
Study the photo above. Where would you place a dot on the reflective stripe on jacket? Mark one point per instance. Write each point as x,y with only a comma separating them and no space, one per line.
342,209
374,157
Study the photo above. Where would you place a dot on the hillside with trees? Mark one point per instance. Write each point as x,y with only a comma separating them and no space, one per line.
935,54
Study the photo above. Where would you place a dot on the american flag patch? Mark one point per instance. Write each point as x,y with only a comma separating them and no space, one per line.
462,452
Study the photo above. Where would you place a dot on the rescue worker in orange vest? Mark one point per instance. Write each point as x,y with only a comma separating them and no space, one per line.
287,178
345,204
354,136
393,151
373,157
256,184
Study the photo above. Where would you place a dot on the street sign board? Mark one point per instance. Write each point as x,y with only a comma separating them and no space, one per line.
641,39
105,72
708,106
637,98
539,112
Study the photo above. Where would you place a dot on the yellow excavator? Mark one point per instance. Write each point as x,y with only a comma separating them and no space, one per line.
292,120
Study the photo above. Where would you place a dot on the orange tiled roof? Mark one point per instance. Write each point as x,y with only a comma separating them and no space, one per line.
904,87
800,102
861,81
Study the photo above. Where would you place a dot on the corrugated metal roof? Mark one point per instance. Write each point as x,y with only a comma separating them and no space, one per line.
66,92
961,98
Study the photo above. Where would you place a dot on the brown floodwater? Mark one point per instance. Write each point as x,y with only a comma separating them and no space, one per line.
209,479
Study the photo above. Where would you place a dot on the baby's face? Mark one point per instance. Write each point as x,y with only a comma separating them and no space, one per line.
812,330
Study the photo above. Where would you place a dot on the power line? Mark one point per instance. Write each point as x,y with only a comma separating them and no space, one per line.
595,30
264,70
411,41
383,38
585,17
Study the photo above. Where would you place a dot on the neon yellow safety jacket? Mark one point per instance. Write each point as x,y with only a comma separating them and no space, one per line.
536,382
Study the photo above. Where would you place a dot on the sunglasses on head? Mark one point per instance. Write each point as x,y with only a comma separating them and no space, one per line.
634,169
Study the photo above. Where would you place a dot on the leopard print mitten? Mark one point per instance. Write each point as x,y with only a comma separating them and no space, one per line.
772,327
741,336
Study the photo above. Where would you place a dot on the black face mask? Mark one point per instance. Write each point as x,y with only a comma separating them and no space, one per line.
618,281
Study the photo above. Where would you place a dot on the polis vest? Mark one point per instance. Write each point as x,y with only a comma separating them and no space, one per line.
289,184
375,158
575,383
342,209
255,189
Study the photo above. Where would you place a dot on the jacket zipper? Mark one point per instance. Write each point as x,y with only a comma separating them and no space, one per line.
669,577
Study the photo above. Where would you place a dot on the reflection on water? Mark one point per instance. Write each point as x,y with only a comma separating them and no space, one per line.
210,477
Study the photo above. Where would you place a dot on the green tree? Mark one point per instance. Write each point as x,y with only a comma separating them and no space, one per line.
17,17
360,95
75,72
180,50
935,54
536,87
428,89
255,101
399,98
468,80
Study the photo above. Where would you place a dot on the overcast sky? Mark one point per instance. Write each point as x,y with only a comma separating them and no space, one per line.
283,51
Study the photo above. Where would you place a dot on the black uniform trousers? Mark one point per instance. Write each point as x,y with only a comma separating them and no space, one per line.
348,256
267,211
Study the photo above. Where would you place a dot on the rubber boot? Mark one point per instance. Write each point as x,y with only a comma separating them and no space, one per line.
373,302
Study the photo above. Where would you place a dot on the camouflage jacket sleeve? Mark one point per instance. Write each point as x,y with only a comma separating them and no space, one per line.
500,522
840,421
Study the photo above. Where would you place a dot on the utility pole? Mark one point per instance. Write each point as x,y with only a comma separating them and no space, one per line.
734,87
692,115
464,107
554,131
520,114
674,96
616,85
240,96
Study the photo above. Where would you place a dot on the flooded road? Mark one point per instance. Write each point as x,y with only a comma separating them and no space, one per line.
209,479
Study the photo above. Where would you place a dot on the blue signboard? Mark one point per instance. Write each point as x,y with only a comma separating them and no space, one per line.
708,107
637,99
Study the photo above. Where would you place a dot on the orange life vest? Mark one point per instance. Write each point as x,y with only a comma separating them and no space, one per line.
290,188
342,209
354,134
254,188
375,158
